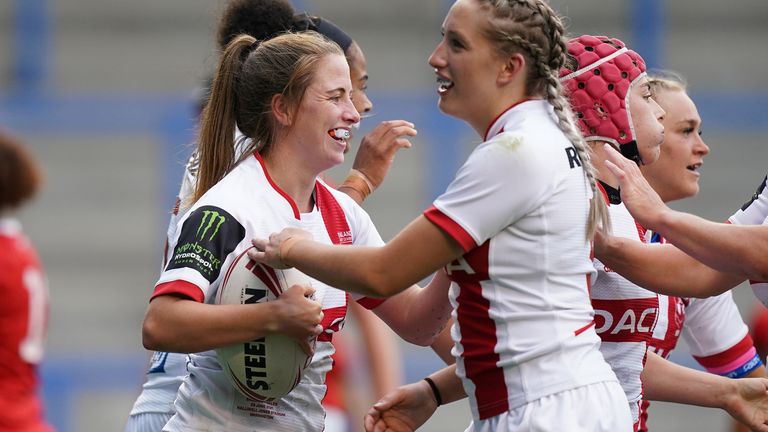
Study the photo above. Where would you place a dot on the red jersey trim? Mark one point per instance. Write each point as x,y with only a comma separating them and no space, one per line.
370,302
583,329
727,356
445,223
277,189
333,216
179,287
604,192
478,337
493,122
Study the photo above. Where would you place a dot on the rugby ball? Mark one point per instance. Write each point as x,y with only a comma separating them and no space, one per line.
268,368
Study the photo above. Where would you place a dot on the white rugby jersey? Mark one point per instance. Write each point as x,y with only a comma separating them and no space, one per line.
755,212
217,229
524,325
625,314
713,328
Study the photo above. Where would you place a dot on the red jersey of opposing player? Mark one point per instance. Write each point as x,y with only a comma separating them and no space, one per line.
23,316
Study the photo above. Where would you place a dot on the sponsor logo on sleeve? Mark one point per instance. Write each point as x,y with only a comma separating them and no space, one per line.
207,237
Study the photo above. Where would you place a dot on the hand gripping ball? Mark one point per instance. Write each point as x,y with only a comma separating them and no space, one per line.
268,368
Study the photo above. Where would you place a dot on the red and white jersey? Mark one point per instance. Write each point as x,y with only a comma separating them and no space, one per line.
625,314
755,212
713,328
23,319
523,321
217,229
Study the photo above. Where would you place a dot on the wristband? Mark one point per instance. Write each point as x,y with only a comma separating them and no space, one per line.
435,391
357,173
357,183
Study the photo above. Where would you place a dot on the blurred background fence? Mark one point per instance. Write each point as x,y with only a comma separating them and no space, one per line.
104,94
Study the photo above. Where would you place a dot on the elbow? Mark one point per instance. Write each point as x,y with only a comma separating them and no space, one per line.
757,271
420,339
153,335
150,336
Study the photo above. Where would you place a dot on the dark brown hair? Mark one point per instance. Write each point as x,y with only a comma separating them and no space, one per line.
20,174
249,75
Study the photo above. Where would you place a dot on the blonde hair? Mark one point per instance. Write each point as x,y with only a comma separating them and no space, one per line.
533,29
666,81
249,75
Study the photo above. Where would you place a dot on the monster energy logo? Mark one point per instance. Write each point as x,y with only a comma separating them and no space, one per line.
210,218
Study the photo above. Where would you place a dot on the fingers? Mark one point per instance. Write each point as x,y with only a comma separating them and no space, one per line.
305,345
387,401
308,290
257,255
613,155
614,169
259,244
371,417
403,143
390,131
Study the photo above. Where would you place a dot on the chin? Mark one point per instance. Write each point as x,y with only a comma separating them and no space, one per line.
447,109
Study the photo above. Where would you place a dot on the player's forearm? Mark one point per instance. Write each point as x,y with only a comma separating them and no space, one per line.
174,324
669,382
356,269
443,345
448,384
415,253
738,249
664,269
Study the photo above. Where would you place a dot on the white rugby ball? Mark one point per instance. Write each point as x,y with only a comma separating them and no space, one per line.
268,368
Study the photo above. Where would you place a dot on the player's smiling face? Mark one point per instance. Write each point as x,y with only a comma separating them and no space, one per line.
325,115
466,64
676,174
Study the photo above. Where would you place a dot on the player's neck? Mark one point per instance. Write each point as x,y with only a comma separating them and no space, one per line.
598,161
293,179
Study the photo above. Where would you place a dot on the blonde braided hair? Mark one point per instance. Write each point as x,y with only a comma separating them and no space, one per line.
532,27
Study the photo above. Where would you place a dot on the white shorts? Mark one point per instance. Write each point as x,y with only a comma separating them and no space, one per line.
147,422
599,407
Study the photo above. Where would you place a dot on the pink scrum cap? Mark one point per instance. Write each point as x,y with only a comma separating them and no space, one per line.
598,75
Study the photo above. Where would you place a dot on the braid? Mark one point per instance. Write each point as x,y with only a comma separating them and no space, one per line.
540,34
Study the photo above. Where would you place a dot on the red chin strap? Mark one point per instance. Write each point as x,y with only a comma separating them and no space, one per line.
598,75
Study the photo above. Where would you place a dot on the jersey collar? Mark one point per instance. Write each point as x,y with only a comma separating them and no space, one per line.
497,125
612,195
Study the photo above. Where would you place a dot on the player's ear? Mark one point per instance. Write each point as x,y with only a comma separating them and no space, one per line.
281,110
510,68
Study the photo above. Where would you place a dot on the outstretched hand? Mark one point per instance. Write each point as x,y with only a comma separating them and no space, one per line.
402,410
749,404
378,148
270,252
638,196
